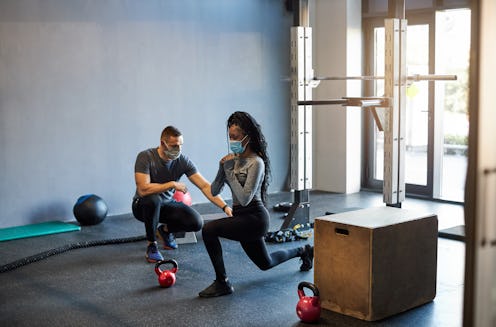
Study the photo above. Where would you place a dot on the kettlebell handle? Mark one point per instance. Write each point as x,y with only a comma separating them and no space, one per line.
308,285
163,262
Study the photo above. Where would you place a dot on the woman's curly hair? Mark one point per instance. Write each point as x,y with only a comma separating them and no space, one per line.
257,143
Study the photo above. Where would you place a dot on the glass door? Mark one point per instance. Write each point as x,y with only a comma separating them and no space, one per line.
451,132
436,119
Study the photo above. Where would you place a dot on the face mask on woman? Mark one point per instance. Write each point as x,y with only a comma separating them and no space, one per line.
237,146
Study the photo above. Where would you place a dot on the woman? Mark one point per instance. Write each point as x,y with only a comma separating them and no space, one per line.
246,172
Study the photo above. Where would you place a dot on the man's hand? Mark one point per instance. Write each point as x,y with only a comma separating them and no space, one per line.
228,211
228,157
178,186
145,187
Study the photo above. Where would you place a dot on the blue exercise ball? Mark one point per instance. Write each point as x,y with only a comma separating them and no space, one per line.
90,209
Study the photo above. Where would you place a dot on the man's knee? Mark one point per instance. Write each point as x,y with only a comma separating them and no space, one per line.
144,206
192,220
151,200
197,223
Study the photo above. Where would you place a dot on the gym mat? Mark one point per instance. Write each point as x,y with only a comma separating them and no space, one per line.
45,228
454,233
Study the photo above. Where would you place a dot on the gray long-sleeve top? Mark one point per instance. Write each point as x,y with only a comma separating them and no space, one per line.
244,176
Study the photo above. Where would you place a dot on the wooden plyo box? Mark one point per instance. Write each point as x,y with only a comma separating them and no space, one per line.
376,262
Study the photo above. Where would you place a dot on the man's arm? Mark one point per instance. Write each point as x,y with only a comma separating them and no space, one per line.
204,186
145,188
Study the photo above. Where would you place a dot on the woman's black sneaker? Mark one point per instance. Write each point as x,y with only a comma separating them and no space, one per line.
217,288
307,258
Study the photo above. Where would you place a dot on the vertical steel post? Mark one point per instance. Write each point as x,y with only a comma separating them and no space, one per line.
301,125
301,116
394,129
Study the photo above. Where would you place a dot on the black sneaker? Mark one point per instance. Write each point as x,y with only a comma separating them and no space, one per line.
307,258
217,288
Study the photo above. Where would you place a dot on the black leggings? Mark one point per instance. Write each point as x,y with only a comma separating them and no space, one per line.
153,209
248,226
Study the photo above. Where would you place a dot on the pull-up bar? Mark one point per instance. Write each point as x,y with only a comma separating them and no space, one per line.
416,78
363,102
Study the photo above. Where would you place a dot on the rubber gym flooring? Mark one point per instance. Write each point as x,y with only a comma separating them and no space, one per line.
113,285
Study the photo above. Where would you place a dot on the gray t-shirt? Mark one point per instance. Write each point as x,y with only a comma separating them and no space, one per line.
161,171
244,176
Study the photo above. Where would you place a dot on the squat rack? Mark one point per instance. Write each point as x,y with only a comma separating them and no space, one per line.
389,111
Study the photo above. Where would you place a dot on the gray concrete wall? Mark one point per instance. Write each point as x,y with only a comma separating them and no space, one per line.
86,84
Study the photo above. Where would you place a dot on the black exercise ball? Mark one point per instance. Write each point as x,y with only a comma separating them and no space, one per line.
90,209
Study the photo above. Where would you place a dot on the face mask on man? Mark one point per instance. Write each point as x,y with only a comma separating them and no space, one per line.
237,146
174,153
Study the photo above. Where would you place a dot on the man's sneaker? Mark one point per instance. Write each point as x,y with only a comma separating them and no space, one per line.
168,239
152,253
217,288
307,258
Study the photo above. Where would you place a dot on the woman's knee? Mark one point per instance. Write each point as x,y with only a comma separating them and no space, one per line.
263,266
206,230
262,262
209,230
257,252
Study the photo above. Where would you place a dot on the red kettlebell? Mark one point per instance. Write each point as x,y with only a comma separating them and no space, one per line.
308,308
166,278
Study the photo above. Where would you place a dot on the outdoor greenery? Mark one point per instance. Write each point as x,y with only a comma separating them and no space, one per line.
455,144
457,93
456,139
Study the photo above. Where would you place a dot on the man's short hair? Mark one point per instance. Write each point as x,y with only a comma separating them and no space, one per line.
170,131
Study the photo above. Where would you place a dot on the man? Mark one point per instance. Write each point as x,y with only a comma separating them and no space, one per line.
157,172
